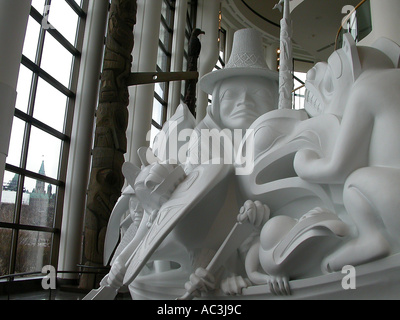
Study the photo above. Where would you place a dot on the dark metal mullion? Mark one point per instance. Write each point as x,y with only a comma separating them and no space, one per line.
55,33
78,10
163,103
64,42
47,77
165,24
159,99
296,78
18,226
170,4
221,61
40,125
34,175
156,124
164,49
171,36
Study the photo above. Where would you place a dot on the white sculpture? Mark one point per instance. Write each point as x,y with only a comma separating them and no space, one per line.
323,193
363,159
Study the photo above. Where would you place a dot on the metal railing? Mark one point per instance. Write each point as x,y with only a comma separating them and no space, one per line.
7,281
360,25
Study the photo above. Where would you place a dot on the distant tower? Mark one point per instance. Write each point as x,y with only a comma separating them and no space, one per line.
40,185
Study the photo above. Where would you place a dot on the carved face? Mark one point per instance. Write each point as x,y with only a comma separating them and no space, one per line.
243,99
135,207
155,184
328,84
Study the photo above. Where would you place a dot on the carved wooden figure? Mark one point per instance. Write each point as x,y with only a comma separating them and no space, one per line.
106,179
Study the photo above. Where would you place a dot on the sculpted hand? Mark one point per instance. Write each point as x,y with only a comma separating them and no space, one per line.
200,281
255,212
279,286
116,275
234,285
304,163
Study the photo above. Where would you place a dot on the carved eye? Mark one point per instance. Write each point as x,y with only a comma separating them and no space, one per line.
229,94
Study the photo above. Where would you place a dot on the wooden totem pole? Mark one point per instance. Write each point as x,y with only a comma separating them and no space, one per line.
106,179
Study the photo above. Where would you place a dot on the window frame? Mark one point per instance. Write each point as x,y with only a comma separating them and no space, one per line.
31,122
165,49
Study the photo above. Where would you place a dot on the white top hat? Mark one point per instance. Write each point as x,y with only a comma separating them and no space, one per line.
246,59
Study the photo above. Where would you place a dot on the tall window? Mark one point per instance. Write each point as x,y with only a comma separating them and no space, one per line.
189,27
34,180
160,103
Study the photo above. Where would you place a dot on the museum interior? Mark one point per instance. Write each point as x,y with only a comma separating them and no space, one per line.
85,83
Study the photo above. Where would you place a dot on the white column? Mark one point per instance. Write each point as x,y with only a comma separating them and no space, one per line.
207,20
385,21
178,44
81,137
140,108
14,15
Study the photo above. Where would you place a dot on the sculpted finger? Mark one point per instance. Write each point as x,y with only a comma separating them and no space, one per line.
272,287
287,286
260,210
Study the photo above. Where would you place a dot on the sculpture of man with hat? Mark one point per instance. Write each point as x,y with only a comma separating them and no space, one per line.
244,90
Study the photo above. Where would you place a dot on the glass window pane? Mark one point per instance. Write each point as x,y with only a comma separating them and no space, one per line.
164,35
33,252
23,88
56,60
157,111
31,39
64,19
8,197
50,105
164,10
17,137
39,210
162,60
167,13
43,154
154,131
5,250
38,5
160,89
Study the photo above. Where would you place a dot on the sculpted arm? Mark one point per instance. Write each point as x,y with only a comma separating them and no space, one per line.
351,147
252,264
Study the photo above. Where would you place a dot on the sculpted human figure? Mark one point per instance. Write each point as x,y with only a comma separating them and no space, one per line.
242,92
364,158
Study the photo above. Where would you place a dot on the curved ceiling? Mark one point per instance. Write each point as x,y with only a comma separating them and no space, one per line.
315,23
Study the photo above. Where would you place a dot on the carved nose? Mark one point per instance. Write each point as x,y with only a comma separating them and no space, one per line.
245,100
